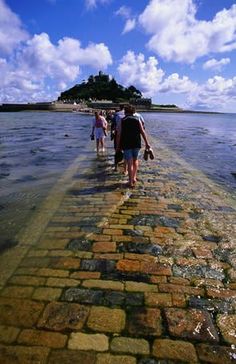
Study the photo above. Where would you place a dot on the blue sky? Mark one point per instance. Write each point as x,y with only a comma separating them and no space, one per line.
174,51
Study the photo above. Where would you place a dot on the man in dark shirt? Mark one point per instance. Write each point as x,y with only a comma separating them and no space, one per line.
129,140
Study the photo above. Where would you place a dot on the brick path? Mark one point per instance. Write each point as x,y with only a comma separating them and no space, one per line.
107,275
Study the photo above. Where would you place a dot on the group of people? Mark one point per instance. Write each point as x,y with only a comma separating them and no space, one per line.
127,128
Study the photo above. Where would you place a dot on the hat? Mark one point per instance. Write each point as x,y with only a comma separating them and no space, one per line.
119,156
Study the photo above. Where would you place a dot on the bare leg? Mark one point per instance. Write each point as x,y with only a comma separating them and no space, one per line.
130,171
135,169
97,145
102,143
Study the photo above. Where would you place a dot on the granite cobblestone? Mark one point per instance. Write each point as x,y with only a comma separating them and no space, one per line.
143,276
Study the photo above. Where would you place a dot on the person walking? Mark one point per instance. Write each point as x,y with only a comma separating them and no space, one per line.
119,115
99,131
129,140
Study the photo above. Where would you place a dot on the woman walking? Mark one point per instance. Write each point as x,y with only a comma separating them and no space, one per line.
99,130
129,140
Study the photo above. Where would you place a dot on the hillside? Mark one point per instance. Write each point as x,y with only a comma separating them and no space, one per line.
100,87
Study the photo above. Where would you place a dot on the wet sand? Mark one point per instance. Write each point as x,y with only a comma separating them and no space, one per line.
106,274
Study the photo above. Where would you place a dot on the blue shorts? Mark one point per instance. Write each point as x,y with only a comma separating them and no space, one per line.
131,153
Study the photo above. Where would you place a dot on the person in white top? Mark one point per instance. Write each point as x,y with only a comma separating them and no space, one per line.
99,130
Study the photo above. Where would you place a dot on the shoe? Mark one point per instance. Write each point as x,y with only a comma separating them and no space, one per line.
151,154
145,154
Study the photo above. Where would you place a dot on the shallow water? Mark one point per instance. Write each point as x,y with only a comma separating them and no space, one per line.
206,141
37,147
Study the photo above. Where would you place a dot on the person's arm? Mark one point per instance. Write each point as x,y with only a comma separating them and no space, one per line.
142,132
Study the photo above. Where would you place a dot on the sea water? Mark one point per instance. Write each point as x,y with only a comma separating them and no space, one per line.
37,147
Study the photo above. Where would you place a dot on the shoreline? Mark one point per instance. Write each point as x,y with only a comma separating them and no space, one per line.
57,107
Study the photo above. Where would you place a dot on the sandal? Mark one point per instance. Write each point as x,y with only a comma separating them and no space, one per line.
151,154
145,154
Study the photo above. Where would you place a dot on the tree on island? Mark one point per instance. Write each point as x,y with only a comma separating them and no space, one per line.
100,87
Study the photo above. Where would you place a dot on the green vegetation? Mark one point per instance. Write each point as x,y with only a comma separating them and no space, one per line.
100,87
170,106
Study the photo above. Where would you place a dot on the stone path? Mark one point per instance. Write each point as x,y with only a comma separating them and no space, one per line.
107,275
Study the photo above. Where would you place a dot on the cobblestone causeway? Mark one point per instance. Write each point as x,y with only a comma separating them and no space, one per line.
119,276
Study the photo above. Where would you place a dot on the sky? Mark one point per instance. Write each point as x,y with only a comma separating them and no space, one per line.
179,52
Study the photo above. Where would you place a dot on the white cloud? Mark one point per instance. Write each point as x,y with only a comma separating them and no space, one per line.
216,94
215,65
177,35
11,29
129,25
91,4
124,12
40,61
174,83
144,75
130,21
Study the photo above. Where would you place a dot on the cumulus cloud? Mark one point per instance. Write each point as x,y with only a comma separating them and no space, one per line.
217,93
12,32
40,60
174,83
177,34
145,75
215,65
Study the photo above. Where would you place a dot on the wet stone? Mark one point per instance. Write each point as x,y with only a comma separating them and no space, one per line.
130,276
97,265
216,354
191,324
212,238
60,316
227,326
174,207
134,299
72,356
197,271
17,312
195,215
113,298
80,244
155,220
226,209
87,229
223,254
150,361
130,232
144,321
83,296
214,306
141,248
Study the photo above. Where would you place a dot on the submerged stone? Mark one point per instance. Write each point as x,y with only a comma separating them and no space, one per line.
80,244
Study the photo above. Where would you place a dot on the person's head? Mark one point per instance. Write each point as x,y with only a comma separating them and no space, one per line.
129,110
96,114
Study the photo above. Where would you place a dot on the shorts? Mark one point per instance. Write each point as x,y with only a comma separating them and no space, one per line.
131,153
